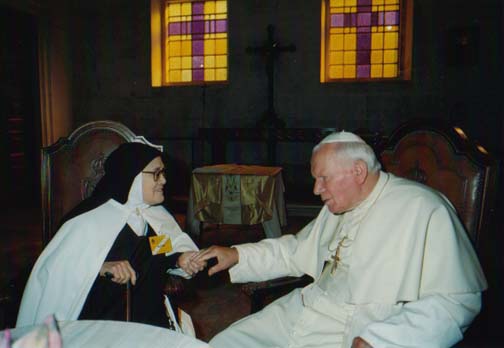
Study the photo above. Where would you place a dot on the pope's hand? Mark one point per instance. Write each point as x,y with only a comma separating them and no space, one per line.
121,271
187,261
360,343
226,258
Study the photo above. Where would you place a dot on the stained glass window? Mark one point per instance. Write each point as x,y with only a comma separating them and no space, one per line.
193,42
365,40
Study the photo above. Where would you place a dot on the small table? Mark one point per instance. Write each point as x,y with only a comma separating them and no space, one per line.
237,194
117,334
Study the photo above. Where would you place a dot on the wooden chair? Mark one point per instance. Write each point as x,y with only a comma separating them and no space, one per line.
72,167
441,157
444,158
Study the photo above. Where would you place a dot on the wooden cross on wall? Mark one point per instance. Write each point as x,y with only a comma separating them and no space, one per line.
271,49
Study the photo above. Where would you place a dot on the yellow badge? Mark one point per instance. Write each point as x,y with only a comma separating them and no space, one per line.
160,244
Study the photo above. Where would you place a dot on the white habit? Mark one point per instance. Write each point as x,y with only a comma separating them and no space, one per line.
407,276
65,271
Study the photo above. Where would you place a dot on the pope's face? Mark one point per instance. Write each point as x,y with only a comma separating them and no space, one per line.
335,179
153,190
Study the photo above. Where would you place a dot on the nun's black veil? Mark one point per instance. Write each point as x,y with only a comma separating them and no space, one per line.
121,168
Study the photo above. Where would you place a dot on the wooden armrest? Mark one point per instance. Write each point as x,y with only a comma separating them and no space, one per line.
261,292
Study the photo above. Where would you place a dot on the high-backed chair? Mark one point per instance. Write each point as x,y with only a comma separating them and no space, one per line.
72,167
444,158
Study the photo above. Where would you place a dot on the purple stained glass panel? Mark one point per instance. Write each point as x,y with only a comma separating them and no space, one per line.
363,71
198,75
364,9
364,19
363,2
363,57
221,25
198,27
337,20
380,18
198,36
374,18
186,28
391,17
364,41
197,62
210,26
197,47
364,29
174,28
198,8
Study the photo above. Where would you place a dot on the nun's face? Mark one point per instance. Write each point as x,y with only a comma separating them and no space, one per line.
153,190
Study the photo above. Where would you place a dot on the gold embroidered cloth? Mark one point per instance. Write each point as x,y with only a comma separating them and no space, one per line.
237,194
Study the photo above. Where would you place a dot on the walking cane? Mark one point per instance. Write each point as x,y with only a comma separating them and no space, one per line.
128,301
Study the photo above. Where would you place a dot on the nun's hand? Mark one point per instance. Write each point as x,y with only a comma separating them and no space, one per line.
187,262
121,271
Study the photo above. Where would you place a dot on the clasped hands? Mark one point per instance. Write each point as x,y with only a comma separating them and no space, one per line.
122,271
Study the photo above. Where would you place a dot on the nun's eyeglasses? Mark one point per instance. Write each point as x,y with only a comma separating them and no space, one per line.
156,174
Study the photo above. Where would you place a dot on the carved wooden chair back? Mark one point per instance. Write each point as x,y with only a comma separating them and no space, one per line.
444,158
72,167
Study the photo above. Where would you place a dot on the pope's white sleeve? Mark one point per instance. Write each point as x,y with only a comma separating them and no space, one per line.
267,259
435,321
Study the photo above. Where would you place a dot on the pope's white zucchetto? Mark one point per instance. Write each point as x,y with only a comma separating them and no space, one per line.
341,137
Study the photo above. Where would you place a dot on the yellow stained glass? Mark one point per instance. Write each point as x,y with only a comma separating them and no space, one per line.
186,48
389,70
336,42
174,48
220,6
186,62
336,71
174,10
209,62
336,31
175,63
209,74
349,57
391,7
376,57
220,46
186,9
186,75
221,61
391,40
337,3
376,71
390,56
350,41
381,53
376,41
175,76
209,47
221,74
349,71
209,7
336,57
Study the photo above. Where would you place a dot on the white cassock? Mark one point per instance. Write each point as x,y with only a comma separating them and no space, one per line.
65,271
407,276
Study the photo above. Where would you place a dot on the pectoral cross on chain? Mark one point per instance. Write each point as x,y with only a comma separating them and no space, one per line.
336,257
